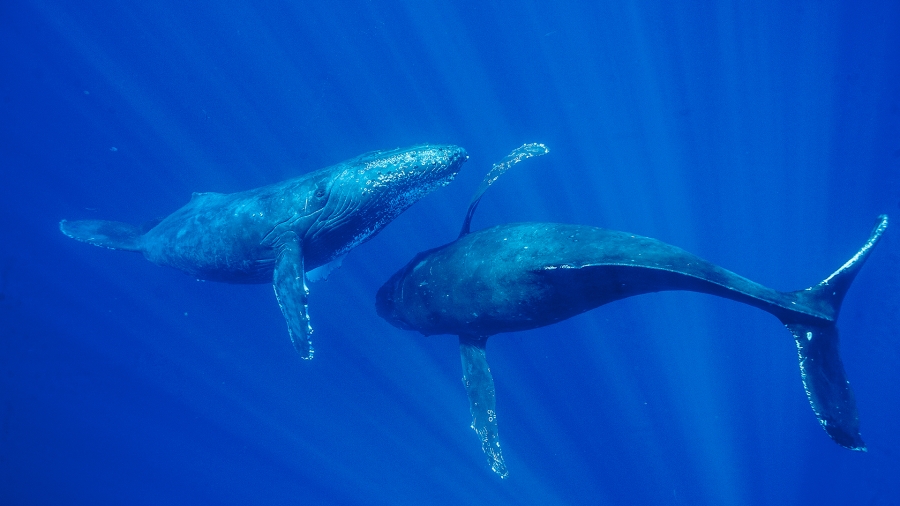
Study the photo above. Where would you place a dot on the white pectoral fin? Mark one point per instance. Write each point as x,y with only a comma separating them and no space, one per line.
482,402
321,273
292,294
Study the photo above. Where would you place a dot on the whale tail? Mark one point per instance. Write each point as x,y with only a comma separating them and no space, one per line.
817,341
108,234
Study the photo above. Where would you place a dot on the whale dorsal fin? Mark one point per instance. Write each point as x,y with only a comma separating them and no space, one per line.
517,155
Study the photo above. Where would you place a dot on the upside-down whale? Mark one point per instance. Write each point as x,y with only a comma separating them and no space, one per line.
279,233
522,276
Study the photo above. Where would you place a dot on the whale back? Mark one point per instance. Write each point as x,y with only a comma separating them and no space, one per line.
520,276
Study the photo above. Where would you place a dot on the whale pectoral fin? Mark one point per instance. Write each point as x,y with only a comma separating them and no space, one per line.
292,294
321,273
482,402
517,155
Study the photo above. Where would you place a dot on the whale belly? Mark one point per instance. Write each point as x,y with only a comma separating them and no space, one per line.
217,239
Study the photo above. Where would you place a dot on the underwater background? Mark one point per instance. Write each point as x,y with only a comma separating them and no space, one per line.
763,136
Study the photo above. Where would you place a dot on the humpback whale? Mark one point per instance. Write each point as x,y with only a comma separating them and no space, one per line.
279,233
521,276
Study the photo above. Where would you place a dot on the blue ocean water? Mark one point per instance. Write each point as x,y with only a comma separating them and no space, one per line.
763,136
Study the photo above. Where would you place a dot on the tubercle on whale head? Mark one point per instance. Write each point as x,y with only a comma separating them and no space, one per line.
369,191
402,176
386,183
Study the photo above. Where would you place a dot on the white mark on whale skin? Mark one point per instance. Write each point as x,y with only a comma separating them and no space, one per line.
561,266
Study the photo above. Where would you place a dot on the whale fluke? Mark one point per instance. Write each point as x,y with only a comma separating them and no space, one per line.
108,234
821,369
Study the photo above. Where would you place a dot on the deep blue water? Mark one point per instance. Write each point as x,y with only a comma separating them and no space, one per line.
763,136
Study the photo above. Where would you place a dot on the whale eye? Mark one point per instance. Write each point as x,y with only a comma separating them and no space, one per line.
320,193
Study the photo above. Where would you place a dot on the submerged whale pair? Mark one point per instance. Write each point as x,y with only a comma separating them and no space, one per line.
505,278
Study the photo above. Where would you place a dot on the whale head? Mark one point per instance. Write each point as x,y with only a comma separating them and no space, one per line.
369,191
389,303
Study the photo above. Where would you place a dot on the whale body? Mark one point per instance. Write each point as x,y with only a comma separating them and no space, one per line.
278,233
521,276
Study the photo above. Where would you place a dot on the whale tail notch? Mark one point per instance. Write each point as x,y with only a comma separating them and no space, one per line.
108,234
821,368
